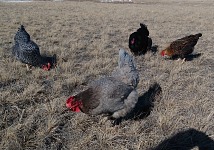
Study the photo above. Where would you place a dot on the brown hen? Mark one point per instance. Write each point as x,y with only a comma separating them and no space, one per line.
182,47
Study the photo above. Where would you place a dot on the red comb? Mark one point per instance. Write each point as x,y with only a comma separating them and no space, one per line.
162,52
46,67
73,105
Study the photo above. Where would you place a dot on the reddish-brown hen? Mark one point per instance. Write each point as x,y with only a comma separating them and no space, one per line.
182,47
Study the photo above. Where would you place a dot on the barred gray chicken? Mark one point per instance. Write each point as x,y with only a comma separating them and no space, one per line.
115,96
27,51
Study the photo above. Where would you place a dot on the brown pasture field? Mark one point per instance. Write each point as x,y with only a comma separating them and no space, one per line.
86,37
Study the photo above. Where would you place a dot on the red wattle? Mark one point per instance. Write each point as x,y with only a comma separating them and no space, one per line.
73,105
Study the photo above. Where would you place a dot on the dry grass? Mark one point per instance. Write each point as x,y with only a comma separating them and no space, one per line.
86,37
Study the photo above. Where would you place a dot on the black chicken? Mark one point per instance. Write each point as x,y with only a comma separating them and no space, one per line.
139,41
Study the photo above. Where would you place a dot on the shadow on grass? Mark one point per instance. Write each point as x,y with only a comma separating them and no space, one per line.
7,83
187,140
187,58
144,105
154,49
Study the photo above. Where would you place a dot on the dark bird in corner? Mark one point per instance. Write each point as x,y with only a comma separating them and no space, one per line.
139,41
187,140
181,48
27,51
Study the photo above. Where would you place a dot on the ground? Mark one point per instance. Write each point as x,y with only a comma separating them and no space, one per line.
86,37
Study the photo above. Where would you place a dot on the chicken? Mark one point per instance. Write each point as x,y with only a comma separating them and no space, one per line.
126,70
115,95
139,41
182,47
105,96
26,51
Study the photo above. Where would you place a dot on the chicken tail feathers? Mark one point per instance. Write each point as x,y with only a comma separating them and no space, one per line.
22,27
143,30
22,35
199,35
126,70
143,25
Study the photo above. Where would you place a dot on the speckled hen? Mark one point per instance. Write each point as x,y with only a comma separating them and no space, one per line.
27,51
